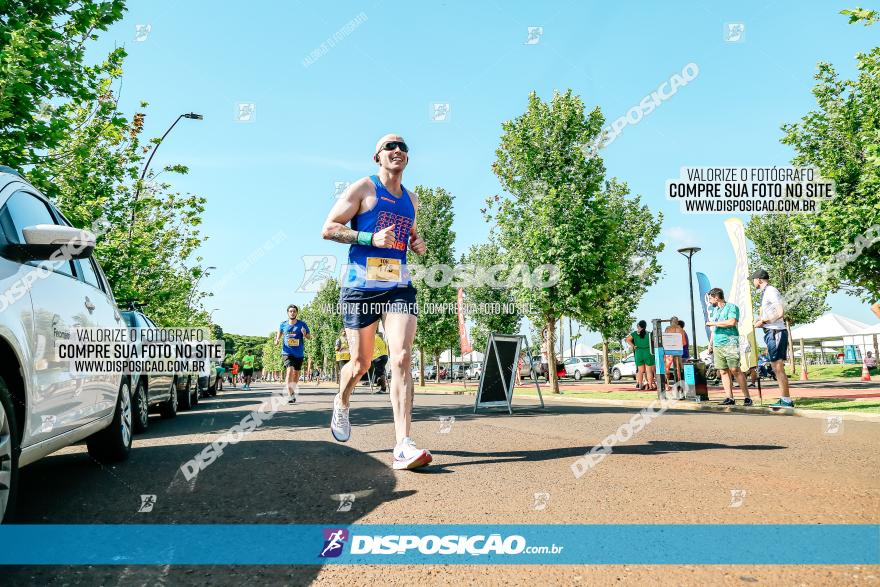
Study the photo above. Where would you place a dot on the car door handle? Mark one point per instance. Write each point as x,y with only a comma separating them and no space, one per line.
89,305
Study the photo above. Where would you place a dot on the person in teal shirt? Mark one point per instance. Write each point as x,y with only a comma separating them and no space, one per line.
724,345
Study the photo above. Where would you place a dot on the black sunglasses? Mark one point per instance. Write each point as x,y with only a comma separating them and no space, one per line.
391,145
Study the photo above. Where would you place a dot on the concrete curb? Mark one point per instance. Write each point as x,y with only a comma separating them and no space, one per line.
686,405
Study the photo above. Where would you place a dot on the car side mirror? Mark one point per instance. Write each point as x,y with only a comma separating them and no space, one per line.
45,242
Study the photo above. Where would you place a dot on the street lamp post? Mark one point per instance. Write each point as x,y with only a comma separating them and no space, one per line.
689,252
211,314
137,193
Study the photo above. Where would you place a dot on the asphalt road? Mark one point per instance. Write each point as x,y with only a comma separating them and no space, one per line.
487,468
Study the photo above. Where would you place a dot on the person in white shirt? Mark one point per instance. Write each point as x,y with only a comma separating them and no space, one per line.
772,320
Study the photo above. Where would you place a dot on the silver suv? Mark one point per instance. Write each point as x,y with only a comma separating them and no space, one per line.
43,406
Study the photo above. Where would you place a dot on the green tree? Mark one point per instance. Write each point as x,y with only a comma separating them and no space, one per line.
480,258
867,17
437,331
633,241
271,354
42,71
91,176
842,140
551,217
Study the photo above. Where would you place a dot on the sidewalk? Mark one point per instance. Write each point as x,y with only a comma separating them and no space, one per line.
831,389
812,389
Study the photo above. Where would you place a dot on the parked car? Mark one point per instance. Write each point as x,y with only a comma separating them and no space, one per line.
210,382
43,406
459,371
525,371
583,366
431,372
474,371
165,393
625,368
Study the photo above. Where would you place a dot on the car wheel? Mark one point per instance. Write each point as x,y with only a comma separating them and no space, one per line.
184,400
615,374
141,407
194,399
113,443
9,450
577,375
597,376
168,409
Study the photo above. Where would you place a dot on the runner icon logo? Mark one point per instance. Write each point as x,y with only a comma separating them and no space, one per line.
148,502
833,425
542,500
334,541
346,500
446,424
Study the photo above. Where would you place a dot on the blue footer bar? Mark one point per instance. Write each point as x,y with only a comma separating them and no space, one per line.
266,544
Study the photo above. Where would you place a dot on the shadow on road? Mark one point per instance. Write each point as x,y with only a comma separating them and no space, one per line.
253,482
654,447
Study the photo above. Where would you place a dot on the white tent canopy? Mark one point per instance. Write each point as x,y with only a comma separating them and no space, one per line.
864,340
828,326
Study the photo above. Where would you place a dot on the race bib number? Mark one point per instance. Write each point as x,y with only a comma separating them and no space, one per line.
381,269
292,341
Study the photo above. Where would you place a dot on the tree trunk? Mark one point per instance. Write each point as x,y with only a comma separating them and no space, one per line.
605,361
561,337
803,357
551,356
791,348
421,368
437,366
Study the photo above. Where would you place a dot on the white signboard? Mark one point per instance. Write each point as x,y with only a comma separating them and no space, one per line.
673,344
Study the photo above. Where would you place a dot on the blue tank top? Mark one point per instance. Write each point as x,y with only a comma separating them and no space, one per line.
375,268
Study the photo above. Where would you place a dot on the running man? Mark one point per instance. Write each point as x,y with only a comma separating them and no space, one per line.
247,364
292,332
234,373
377,286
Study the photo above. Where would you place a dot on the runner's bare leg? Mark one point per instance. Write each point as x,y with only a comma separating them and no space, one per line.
288,380
360,347
400,330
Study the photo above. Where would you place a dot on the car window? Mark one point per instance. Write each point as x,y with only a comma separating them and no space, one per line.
21,211
130,319
89,274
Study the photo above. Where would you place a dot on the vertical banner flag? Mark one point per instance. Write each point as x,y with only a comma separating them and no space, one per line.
703,283
463,341
741,294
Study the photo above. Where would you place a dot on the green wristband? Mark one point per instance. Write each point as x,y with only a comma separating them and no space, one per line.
365,238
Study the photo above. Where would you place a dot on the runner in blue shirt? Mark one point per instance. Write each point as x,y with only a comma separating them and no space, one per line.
292,333
377,286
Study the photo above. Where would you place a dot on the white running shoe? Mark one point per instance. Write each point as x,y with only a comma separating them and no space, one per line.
340,427
408,456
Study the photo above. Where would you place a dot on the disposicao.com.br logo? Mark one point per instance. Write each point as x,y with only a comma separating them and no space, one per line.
476,545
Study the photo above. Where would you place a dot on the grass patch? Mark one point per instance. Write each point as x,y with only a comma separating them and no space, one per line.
836,371
868,405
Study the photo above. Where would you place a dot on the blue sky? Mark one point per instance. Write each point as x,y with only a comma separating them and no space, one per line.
316,125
